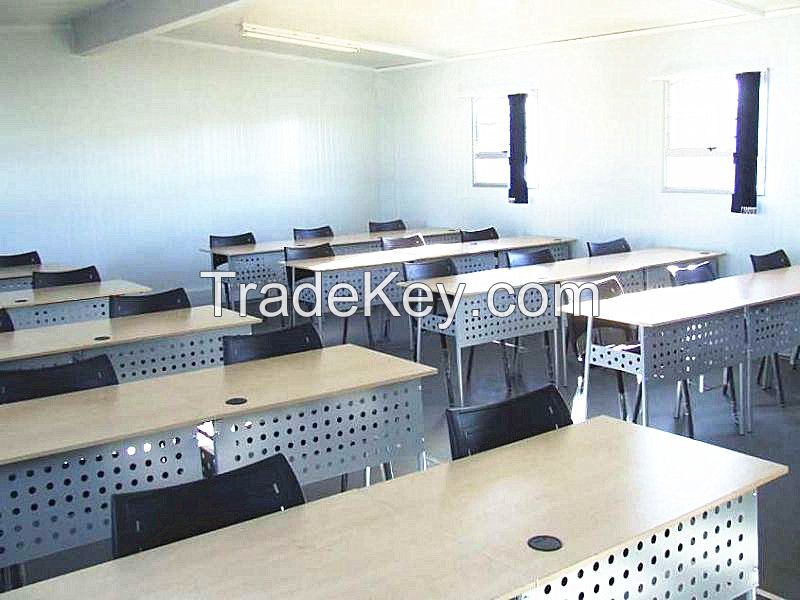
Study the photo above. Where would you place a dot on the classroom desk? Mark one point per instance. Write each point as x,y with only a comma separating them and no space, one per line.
475,324
260,263
21,277
652,511
140,346
64,304
68,454
693,329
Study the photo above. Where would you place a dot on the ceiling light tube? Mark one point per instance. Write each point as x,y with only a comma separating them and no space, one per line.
284,36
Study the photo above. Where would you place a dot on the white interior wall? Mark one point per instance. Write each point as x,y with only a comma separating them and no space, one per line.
130,158
601,141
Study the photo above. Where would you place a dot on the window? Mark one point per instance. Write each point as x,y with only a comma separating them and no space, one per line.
700,134
490,140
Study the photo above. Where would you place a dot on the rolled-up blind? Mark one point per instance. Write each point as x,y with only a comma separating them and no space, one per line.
745,195
518,190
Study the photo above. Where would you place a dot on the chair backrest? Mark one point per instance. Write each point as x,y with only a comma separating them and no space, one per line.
20,260
6,324
126,306
301,253
393,243
148,519
490,233
524,258
767,262
243,348
608,288
218,241
428,269
26,384
384,226
315,232
697,273
611,247
43,279
479,428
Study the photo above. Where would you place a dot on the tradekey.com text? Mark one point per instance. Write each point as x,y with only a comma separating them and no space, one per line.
344,300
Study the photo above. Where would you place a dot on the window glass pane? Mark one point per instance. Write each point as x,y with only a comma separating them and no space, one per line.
700,173
702,114
491,171
491,125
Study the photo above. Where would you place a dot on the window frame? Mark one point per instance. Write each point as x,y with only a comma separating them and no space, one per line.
763,132
532,145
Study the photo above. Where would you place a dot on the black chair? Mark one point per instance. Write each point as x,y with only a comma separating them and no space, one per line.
688,275
243,348
412,241
769,262
295,276
20,260
43,279
26,384
479,428
525,258
6,324
490,233
217,260
699,273
386,226
314,233
126,306
144,520
617,246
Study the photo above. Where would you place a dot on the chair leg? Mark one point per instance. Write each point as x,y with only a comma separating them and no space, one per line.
228,302
367,476
388,472
506,367
731,383
447,375
343,482
469,362
344,329
726,373
411,336
623,404
761,378
678,401
548,347
795,357
387,325
688,402
638,406
369,332
418,348
776,367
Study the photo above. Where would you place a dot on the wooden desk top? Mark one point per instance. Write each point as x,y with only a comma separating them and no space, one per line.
338,240
429,251
69,293
652,308
43,341
45,426
576,269
457,531
28,270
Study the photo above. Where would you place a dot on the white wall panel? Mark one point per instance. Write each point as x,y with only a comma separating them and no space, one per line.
129,159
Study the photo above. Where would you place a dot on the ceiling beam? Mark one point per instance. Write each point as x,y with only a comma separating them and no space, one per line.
124,19
742,6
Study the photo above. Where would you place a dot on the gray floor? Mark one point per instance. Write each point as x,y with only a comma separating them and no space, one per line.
774,438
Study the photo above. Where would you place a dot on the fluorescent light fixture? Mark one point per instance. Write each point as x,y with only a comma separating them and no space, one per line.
297,38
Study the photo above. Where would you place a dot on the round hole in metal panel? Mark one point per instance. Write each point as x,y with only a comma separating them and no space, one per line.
545,543
236,401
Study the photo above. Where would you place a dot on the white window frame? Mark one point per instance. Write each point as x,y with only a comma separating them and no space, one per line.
531,173
762,143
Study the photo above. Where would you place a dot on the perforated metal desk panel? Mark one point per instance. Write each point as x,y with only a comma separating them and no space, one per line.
21,278
459,531
65,304
260,263
61,458
140,346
